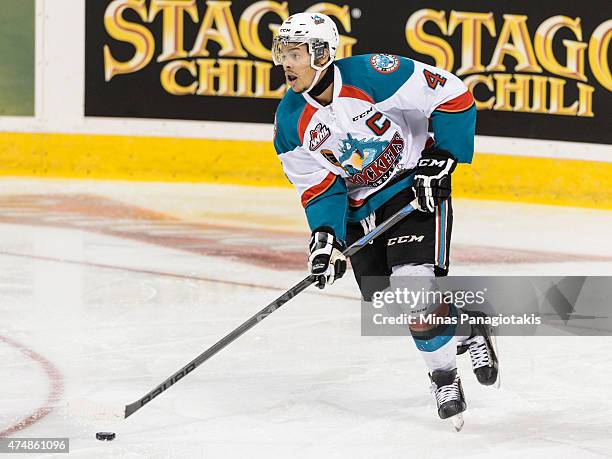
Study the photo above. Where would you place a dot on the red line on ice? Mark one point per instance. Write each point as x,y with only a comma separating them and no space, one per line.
254,246
164,274
55,392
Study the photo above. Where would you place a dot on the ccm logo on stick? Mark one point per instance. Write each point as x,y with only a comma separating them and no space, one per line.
403,239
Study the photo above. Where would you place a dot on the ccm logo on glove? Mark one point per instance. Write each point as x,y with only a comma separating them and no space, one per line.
432,162
432,181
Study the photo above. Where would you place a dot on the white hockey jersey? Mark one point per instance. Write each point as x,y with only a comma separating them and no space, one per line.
348,158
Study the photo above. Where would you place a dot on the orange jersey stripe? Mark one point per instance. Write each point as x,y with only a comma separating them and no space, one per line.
458,104
319,189
305,118
356,202
355,93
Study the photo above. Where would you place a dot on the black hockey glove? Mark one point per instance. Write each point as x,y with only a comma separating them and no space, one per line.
326,260
432,182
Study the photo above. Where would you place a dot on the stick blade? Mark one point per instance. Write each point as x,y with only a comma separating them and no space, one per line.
131,409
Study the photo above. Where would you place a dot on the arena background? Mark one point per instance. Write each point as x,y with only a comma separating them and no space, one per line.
185,91
144,215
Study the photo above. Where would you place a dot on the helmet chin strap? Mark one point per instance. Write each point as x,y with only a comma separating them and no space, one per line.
325,81
314,80
318,74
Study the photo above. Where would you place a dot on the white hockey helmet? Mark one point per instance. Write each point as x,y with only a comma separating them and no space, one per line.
316,30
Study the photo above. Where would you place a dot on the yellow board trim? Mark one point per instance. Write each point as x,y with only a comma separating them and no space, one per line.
499,177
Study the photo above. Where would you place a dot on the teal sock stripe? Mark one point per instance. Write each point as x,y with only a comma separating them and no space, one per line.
435,343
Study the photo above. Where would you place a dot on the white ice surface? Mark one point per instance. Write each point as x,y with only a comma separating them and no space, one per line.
302,383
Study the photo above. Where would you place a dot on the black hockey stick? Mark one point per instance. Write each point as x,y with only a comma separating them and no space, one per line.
265,312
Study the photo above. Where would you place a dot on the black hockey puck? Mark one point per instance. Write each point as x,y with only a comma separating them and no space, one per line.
105,436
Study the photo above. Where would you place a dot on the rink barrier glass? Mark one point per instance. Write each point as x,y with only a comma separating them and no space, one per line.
514,305
501,177
17,62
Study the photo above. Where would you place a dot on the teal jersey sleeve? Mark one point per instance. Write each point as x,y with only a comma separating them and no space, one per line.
330,209
286,122
455,132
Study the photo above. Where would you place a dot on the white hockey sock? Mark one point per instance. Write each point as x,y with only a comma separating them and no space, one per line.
439,352
443,358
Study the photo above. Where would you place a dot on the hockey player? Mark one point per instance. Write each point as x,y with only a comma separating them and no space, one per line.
352,136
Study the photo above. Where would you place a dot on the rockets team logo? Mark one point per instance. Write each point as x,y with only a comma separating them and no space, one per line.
318,20
318,136
385,63
370,162
358,153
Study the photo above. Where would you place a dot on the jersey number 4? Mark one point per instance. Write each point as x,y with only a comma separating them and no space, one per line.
377,126
434,79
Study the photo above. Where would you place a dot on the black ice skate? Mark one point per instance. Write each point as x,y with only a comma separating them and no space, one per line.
483,352
447,389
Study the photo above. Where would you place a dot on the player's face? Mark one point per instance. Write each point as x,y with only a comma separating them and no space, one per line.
296,64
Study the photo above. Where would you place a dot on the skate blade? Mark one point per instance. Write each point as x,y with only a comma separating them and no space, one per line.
457,421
